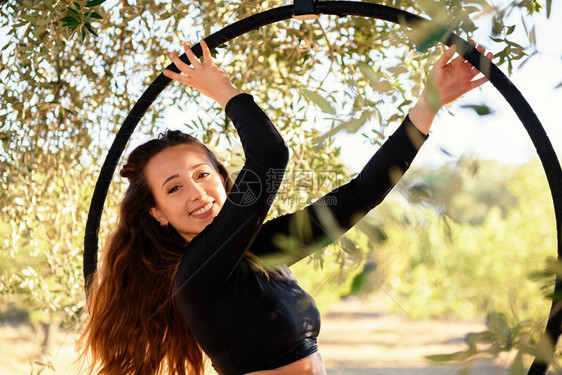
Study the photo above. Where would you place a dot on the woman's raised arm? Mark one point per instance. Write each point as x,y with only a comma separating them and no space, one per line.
291,237
213,254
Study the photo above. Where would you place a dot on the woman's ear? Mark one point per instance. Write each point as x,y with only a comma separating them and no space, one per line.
159,216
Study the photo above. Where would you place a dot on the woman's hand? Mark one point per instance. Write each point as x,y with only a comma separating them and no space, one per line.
446,83
204,76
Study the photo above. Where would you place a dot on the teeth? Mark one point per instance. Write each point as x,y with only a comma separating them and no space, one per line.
203,210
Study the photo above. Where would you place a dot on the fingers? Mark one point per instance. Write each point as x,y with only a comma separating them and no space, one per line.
484,65
193,59
446,57
183,67
478,82
473,43
480,49
207,58
204,75
190,55
178,77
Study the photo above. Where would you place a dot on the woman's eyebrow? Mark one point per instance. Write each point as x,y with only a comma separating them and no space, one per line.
169,178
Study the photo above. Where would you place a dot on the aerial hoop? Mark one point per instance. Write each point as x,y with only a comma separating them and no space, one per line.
307,9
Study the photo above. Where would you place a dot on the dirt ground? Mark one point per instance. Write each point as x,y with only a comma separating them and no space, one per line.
358,337
361,337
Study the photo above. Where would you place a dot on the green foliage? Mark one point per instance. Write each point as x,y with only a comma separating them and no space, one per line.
464,191
317,99
443,267
503,336
328,275
525,339
46,246
480,109
75,20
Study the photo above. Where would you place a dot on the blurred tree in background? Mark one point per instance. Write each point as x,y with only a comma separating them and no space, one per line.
71,71
502,264
449,265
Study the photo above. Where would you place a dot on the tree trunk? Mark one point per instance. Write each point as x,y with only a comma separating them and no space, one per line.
50,331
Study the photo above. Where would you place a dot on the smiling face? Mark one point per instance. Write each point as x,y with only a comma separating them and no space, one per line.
188,191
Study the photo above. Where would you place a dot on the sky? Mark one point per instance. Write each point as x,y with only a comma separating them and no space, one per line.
499,136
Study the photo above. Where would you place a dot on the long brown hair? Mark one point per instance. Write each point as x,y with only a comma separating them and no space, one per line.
134,326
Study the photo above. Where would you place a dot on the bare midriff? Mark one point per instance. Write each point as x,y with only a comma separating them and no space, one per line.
310,365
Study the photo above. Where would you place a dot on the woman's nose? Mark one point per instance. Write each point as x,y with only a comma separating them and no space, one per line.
198,192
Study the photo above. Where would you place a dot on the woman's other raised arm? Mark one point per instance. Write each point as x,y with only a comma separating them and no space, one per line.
291,237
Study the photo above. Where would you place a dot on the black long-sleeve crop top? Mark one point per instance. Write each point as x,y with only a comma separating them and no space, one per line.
244,320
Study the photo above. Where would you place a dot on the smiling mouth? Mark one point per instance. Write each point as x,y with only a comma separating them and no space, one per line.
202,210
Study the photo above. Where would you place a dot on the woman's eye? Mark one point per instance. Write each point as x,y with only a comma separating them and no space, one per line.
203,174
173,189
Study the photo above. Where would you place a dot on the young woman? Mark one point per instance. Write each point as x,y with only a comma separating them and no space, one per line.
182,273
